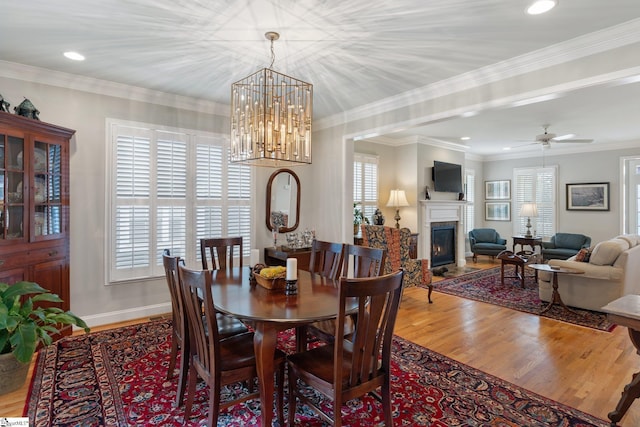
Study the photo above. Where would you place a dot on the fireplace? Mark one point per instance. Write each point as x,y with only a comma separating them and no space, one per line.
443,212
443,244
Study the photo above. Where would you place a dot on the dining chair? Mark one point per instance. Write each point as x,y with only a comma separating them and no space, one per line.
215,360
326,258
350,368
365,262
227,325
221,251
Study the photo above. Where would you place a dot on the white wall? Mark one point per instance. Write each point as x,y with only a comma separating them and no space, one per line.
326,202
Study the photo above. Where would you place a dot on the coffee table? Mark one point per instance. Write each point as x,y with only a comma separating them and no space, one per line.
555,297
518,260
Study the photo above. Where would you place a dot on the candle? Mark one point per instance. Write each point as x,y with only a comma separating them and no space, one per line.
292,269
255,257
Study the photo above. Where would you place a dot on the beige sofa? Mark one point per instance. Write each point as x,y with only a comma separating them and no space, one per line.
613,270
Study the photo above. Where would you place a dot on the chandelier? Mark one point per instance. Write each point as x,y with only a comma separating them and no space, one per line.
271,116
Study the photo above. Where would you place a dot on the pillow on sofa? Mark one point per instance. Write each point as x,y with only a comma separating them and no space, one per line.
583,255
632,239
606,253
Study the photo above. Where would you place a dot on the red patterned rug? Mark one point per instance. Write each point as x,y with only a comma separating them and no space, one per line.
485,286
117,378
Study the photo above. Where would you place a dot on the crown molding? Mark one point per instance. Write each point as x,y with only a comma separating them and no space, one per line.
44,76
560,53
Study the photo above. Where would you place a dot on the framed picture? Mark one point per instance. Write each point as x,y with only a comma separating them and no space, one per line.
497,211
497,190
588,197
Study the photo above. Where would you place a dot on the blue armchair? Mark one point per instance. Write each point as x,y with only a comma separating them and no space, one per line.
564,245
486,241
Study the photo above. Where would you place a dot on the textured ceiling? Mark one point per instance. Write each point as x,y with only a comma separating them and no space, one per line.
354,53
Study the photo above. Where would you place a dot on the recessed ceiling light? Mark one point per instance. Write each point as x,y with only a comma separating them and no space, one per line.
465,138
506,148
541,6
75,56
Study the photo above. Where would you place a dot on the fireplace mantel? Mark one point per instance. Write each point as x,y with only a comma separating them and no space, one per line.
443,211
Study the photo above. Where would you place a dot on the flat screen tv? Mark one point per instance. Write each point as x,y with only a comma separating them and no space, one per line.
447,177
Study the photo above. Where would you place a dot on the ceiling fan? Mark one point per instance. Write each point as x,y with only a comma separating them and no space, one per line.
547,138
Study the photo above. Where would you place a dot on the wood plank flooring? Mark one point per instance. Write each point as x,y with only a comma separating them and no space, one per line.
577,366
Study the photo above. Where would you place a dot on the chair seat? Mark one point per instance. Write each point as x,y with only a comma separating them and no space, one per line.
490,246
319,362
228,325
237,352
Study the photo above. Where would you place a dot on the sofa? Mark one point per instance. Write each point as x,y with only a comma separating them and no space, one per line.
486,241
564,245
397,243
611,270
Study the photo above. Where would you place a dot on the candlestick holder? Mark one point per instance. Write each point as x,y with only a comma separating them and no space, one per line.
291,287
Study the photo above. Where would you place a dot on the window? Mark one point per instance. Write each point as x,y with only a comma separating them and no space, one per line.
168,189
536,185
365,183
469,209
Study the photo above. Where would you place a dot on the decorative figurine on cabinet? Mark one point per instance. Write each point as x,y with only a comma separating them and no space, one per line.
378,218
27,109
4,105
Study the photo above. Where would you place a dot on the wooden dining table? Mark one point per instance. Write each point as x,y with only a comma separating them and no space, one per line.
271,311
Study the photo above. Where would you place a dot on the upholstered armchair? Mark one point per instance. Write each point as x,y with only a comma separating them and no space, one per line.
486,241
397,242
564,245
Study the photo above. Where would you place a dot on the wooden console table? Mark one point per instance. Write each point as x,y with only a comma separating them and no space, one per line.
523,241
278,256
625,311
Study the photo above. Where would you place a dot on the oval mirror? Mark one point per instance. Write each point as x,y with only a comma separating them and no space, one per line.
283,201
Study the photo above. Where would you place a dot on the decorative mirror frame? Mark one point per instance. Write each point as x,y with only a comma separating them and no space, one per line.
268,213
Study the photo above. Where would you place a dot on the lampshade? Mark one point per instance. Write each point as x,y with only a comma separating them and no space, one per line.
397,198
271,116
529,210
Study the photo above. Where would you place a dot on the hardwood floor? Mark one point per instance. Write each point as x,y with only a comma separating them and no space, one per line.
580,367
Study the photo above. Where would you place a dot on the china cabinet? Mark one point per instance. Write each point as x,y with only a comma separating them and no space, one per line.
34,203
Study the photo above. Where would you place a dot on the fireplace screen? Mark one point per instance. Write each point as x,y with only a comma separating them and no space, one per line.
443,245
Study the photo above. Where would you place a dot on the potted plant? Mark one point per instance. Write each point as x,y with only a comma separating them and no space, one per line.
24,325
358,218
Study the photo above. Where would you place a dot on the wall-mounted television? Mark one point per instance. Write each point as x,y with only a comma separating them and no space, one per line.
447,177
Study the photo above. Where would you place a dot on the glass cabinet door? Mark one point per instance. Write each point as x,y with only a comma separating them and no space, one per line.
12,203
47,195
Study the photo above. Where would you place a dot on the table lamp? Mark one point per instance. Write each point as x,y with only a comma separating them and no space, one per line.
528,210
397,199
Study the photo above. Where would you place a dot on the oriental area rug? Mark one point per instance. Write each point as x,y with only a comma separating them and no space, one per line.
485,286
118,378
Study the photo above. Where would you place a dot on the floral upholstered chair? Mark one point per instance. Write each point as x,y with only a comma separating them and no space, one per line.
397,242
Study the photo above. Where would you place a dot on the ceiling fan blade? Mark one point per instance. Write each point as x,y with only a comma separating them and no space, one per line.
562,141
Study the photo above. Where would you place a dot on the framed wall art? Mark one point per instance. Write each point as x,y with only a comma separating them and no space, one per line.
497,190
497,211
588,197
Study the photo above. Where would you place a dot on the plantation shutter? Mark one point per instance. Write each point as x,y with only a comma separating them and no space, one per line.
469,209
536,185
365,183
170,189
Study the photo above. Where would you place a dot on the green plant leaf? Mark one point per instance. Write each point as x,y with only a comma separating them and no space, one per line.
4,341
47,297
22,288
24,342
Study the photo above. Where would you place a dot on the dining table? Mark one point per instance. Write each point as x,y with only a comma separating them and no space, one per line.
270,311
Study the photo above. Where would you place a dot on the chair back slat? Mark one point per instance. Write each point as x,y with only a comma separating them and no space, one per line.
178,314
370,344
203,329
221,251
326,258
366,261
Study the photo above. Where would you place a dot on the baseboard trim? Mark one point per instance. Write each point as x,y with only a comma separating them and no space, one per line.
124,315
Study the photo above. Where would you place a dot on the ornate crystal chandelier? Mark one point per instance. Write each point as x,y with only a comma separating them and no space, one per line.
271,116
